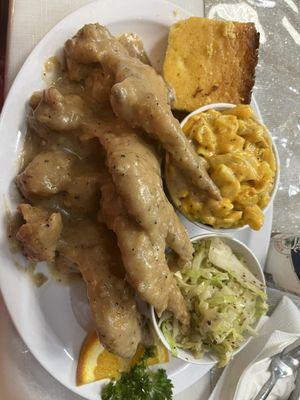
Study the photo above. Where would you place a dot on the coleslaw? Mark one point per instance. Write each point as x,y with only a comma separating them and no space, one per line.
224,300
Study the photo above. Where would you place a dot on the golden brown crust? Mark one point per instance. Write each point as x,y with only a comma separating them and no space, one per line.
249,34
211,61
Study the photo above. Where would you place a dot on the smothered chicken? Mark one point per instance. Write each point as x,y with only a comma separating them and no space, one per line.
94,202
139,96
143,257
134,164
61,183
40,233
89,248
92,248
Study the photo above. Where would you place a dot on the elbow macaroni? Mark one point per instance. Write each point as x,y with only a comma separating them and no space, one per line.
241,163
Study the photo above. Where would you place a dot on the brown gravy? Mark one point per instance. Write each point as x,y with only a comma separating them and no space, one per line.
88,155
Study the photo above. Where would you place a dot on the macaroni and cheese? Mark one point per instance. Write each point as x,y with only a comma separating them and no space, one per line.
241,162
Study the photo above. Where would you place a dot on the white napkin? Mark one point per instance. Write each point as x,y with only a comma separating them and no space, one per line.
246,374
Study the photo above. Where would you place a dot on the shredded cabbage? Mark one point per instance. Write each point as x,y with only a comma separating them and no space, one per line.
224,300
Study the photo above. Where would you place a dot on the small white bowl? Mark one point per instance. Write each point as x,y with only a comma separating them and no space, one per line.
220,107
253,265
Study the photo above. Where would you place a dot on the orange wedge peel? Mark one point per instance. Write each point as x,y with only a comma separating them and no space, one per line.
95,362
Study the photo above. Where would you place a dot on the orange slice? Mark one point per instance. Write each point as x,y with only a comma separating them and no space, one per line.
97,363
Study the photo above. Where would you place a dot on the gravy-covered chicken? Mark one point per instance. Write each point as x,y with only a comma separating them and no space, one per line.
40,233
47,174
134,164
92,248
58,172
61,182
140,96
143,257
94,202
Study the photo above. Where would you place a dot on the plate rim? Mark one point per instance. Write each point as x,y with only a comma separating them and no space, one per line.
6,107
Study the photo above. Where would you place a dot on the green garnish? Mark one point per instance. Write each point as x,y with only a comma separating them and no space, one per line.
140,383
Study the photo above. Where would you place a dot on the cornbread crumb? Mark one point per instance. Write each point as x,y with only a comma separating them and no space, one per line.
229,30
211,61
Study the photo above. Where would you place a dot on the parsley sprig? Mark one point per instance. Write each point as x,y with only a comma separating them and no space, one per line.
140,383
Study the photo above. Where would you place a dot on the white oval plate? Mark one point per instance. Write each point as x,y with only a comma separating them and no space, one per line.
53,319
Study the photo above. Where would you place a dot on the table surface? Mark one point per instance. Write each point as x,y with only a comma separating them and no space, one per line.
277,92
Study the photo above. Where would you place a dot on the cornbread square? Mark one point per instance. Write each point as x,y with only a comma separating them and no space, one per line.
211,61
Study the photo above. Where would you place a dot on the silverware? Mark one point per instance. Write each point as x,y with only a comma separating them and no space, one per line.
295,395
282,365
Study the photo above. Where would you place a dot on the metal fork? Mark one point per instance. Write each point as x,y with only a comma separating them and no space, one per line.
282,365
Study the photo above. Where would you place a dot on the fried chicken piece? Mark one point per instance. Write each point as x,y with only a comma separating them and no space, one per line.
40,234
143,258
78,71
47,174
75,235
92,249
82,194
134,164
57,112
112,302
140,96
56,171
97,84
142,175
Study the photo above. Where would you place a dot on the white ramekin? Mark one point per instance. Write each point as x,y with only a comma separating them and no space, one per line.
224,106
253,265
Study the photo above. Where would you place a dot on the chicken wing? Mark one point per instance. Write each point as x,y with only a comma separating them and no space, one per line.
47,174
140,96
58,112
56,172
143,258
93,250
134,164
78,71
